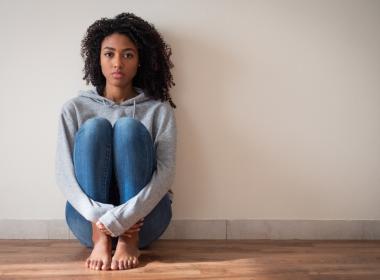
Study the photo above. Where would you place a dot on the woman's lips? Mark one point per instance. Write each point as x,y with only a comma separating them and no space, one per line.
117,75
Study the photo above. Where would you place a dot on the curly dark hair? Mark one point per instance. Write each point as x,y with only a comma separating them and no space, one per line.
154,74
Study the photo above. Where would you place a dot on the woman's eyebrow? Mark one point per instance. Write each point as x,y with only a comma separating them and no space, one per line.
126,49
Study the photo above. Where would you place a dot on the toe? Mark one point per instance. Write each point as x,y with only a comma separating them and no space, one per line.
135,262
121,265
95,264
99,265
129,262
106,265
114,265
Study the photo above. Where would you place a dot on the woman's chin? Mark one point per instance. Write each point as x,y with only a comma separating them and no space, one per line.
118,83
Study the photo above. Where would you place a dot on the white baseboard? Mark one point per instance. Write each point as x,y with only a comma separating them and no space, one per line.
216,229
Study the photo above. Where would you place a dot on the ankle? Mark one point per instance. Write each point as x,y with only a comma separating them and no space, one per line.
101,239
98,236
134,240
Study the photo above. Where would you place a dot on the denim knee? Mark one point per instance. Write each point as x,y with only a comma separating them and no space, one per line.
132,130
96,125
130,125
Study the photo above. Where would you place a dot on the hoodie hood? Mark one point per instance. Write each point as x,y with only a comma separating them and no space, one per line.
94,95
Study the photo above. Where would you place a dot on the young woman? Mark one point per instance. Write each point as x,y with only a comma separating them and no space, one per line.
115,159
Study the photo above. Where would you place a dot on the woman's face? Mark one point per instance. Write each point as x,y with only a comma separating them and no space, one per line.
118,59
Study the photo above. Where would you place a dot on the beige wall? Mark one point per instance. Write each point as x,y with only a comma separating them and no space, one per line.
278,104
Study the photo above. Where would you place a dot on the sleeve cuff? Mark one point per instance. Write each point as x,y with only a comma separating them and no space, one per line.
112,224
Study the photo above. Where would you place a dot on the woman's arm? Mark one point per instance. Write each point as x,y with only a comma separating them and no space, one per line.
121,218
90,209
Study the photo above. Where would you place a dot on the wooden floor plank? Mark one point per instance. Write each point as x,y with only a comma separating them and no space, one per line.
200,259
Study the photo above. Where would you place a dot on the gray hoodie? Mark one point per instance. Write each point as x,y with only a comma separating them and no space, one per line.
158,117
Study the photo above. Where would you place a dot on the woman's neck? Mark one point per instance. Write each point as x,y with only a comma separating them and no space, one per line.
117,94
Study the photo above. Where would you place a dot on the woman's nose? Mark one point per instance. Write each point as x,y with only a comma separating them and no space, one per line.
117,61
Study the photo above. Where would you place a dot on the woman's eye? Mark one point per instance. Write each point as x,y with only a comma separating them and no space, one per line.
108,54
128,55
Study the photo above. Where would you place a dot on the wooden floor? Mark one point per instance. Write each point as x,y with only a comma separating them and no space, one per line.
187,259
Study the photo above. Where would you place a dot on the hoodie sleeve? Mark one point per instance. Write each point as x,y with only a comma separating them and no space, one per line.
121,218
66,180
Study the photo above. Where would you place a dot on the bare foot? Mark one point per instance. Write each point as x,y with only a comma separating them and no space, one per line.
127,253
100,258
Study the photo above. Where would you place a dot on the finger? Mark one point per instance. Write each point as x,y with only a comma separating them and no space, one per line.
134,227
137,225
131,231
127,232
134,231
106,232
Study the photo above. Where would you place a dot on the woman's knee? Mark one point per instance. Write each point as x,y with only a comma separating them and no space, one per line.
96,125
128,126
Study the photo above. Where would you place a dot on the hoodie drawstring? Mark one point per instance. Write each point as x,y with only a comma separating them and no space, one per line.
134,107
93,95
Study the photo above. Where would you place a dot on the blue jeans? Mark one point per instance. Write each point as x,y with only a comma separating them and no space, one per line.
112,164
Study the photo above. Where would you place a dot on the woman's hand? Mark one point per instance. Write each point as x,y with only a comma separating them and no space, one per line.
102,228
135,228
